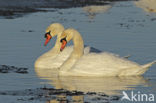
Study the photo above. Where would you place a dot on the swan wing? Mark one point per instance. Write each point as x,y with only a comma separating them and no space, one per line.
89,49
102,64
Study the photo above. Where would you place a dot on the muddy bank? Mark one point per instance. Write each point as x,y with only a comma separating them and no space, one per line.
20,7
51,94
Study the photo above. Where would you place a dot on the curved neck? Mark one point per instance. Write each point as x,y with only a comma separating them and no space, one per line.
76,54
58,43
78,46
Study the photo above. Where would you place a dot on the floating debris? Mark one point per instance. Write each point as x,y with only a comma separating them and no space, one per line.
153,19
13,69
27,31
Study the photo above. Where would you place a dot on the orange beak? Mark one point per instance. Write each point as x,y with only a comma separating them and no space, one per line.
64,42
48,37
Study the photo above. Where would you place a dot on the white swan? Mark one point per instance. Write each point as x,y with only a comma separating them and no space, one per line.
54,58
95,64
51,59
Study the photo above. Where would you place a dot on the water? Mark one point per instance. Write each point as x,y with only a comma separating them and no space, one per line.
121,27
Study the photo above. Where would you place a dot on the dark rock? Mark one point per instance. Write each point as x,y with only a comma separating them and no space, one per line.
91,93
115,98
47,94
13,69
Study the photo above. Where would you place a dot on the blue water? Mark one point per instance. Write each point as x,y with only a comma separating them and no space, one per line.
123,29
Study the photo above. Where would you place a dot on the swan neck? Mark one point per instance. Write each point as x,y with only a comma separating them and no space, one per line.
78,46
76,54
57,43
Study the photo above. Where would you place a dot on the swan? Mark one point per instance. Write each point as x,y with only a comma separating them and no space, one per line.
54,58
95,64
51,59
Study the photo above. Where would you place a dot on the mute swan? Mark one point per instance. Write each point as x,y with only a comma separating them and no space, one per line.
51,58
95,64
54,58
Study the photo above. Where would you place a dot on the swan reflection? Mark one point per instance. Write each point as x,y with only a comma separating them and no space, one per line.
147,5
107,85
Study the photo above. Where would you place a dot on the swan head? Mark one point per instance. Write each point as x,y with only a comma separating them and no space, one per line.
53,30
66,36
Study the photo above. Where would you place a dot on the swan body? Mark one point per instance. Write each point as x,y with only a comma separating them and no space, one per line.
96,64
106,64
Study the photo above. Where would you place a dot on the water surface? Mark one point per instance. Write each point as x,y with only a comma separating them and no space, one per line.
122,28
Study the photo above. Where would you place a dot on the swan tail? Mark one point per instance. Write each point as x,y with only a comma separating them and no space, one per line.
145,67
149,64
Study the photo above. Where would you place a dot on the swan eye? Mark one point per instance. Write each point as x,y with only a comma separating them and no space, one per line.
45,36
63,39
